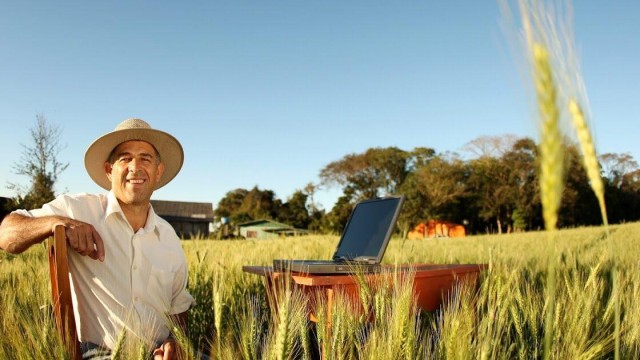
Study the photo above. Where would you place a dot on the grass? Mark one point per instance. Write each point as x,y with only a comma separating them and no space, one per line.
504,318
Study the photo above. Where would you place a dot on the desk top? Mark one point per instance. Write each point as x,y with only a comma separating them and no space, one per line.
420,271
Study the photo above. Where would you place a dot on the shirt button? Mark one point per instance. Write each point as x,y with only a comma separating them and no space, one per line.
135,267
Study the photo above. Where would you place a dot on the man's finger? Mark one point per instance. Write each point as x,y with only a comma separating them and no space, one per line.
158,354
99,250
83,241
169,350
71,239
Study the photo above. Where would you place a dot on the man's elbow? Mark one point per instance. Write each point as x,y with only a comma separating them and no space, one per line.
8,237
8,244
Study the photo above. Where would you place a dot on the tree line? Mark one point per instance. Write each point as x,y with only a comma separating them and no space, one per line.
493,189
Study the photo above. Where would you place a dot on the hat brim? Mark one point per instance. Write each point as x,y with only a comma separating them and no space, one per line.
169,148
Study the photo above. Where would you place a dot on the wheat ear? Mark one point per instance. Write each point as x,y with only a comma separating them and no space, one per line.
118,348
590,160
592,167
551,154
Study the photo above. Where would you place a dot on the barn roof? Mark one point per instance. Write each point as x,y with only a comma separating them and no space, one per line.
181,209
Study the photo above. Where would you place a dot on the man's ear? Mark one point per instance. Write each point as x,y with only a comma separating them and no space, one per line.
160,171
107,169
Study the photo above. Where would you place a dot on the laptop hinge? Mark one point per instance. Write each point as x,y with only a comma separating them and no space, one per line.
357,259
365,259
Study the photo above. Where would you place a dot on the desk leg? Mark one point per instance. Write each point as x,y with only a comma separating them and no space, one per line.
329,292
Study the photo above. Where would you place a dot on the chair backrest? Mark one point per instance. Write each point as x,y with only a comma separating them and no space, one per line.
61,292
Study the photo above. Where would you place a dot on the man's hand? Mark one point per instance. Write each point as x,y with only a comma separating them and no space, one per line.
19,232
167,351
84,239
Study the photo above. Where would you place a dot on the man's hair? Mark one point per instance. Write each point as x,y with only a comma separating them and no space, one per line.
112,155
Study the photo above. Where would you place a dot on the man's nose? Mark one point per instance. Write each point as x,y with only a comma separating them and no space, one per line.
134,166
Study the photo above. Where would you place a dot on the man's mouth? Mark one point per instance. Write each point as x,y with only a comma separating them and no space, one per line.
135,181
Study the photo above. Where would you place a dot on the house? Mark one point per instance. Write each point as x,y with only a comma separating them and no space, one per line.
189,219
4,209
437,228
265,229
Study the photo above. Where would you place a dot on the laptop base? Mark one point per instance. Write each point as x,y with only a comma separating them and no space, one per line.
324,267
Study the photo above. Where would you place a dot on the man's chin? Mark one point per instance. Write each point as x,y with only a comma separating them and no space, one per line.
136,200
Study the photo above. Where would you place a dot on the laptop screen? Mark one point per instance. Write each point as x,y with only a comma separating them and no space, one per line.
369,229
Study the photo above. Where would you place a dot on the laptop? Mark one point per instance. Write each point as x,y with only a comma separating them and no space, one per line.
362,244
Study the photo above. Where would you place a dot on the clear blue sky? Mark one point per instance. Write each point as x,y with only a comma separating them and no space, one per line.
268,92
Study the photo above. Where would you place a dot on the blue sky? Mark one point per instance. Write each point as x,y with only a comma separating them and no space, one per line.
267,93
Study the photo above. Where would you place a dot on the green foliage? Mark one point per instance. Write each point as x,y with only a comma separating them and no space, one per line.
299,211
495,190
294,212
489,190
376,172
243,205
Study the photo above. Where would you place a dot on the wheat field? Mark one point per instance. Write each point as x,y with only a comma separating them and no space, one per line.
503,319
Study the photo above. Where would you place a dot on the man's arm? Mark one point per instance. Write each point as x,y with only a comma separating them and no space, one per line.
180,321
170,348
18,233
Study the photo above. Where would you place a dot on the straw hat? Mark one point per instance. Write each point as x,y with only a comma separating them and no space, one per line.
168,147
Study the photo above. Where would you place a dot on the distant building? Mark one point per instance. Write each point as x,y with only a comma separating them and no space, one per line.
189,219
265,229
437,228
4,202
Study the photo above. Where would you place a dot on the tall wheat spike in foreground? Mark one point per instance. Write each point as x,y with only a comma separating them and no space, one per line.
590,160
551,154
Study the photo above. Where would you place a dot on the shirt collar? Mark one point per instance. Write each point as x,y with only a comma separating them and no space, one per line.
113,207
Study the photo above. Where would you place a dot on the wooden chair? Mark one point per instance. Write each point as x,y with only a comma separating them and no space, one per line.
61,292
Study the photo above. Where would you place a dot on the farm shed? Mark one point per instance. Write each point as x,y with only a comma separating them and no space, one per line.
188,219
437,228
265,229
4,202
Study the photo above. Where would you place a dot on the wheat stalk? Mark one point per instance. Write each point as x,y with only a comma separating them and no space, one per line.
551,154
590,160
118,349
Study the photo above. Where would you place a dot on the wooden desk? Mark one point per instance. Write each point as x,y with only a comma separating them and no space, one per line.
431,283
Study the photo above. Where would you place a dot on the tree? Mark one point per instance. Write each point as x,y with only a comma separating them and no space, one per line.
376,172
490,146
442,182
336,219
39,161
488,182
579,205
261,204
617,167
523,179
241,205
229,205
294,212
622,181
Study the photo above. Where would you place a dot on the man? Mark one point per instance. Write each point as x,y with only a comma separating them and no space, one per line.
128,269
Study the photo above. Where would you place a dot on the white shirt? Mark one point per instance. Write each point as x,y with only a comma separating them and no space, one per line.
142,280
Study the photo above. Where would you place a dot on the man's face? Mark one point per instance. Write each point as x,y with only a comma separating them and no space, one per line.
134,173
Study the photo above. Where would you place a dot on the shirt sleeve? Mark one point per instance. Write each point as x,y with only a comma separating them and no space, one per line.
181,299
58,206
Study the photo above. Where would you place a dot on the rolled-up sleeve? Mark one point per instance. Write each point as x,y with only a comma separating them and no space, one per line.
181,299
58,206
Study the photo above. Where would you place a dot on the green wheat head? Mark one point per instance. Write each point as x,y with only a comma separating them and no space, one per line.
589,157
551,153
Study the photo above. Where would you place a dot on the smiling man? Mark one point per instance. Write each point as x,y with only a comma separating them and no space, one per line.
128,269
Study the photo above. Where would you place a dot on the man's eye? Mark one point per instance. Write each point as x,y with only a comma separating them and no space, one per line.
125,159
